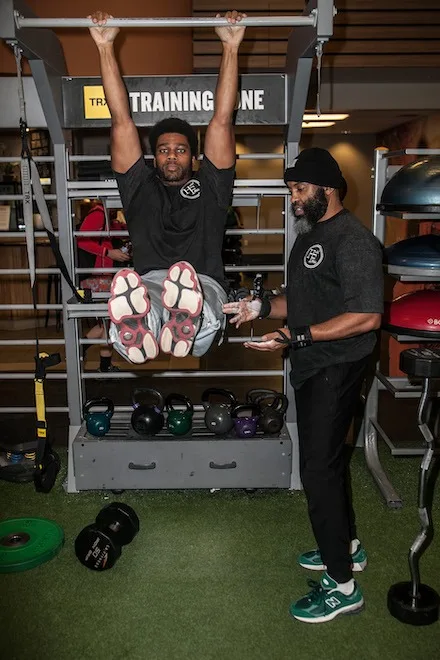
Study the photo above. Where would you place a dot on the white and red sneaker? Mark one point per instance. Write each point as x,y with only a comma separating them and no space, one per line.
128,307
182,297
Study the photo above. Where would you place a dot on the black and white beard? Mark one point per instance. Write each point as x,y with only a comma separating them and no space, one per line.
313,210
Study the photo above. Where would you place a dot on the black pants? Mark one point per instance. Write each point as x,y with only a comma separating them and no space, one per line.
325,405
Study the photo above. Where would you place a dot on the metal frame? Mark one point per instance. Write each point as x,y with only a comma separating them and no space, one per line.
18,25
169,22
398,387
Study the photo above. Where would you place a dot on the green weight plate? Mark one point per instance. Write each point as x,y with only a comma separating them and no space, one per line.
28,542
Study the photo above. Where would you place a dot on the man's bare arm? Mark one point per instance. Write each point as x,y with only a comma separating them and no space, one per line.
220,136
125,143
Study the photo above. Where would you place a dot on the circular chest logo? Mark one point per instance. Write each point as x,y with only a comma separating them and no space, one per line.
191,189
314,256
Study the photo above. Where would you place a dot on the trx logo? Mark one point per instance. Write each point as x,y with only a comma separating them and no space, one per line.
314,256
332,602
191,189
95,105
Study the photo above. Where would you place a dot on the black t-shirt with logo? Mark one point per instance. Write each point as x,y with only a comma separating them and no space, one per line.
334,269
173,223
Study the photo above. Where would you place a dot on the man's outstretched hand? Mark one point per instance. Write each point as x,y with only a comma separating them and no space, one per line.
269,342
243,310
233,33
101,34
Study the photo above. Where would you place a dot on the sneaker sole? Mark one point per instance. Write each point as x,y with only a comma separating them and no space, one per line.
128,307
182,297
356,608
356,567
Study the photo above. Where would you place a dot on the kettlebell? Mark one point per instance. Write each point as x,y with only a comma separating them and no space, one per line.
179,422
218,415
272,414
246,425
147,418
98,423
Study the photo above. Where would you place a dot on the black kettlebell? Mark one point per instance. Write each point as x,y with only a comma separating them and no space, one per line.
98,423
179,422
246,425
147,418
218,415
272,414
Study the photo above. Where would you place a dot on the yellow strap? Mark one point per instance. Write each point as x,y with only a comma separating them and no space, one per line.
41,407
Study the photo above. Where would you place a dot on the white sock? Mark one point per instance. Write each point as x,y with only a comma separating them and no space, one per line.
347,588
354,545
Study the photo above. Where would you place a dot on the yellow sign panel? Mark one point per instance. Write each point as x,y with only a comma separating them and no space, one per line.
95,105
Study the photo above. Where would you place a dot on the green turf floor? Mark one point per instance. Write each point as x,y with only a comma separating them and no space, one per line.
210,577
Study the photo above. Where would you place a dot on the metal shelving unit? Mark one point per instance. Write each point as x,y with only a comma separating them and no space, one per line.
400,388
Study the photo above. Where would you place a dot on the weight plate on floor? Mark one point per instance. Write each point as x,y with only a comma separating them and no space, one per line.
28,542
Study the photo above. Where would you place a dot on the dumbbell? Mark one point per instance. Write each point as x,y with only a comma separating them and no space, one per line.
98,546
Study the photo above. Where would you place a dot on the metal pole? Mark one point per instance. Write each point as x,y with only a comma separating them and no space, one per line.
93,342
92,159
32,342
25,271
185,374
24,306
229,232
28,409
192,22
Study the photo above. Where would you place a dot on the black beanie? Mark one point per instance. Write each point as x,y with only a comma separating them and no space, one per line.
315,166
173,125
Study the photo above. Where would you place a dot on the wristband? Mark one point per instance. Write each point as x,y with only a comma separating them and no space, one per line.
266,308
301,337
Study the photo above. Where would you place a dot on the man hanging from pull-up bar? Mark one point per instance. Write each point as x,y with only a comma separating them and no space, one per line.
175,217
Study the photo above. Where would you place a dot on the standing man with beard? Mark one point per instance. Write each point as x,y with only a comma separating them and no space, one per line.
175,217
333,306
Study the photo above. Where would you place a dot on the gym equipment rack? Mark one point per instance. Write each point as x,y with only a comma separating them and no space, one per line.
399,387
47,65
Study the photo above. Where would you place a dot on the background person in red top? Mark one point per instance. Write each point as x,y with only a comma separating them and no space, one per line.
101,252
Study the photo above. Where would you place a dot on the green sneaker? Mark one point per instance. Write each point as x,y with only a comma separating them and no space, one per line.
324,602
313,560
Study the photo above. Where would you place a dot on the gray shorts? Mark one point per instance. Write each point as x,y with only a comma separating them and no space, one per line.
213,320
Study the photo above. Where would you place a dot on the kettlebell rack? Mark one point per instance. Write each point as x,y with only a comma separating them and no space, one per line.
399,387
200,459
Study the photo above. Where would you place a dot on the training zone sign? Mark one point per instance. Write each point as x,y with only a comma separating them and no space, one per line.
261,100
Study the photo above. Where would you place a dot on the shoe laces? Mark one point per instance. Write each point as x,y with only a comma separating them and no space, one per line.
317,593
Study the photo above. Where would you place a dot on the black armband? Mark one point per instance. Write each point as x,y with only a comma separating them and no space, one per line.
301,337
266,308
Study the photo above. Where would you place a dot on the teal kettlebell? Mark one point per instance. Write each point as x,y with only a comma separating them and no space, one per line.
179,422
98,423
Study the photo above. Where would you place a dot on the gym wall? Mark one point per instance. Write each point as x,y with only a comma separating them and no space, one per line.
142,52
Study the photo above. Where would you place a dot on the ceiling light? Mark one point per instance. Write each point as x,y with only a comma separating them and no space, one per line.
327,117
317,124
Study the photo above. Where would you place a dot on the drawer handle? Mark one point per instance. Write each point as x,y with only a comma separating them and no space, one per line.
137,466
224,466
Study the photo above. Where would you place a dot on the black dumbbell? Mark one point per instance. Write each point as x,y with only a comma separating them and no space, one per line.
98,546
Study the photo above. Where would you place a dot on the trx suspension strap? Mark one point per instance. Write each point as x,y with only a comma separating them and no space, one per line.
30,178
47,463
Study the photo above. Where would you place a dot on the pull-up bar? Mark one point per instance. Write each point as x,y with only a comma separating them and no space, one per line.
193,22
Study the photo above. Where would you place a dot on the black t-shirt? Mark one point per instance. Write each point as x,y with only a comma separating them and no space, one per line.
334,269
173,223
